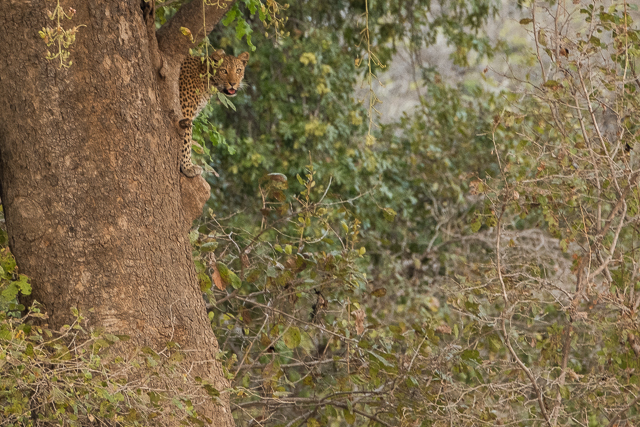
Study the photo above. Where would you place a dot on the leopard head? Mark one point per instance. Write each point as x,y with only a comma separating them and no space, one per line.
228,76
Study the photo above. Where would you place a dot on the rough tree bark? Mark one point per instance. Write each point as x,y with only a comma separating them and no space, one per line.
96,209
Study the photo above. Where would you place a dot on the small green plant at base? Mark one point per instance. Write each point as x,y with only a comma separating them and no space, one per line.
71,377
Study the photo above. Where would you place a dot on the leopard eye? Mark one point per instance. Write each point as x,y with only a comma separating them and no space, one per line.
223,71
239,71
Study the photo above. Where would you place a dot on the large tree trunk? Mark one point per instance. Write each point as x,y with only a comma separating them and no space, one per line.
96,209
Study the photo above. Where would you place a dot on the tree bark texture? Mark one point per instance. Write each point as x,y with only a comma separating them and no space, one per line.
96,209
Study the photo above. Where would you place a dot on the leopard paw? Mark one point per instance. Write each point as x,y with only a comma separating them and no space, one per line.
191,171
185,123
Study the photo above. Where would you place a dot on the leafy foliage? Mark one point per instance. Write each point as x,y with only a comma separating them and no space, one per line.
321,324
475,264
70,377
563,211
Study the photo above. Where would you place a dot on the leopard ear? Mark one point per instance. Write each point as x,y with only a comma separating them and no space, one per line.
244,57
217,55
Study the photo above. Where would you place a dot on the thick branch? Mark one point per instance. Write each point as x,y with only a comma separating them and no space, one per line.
173,43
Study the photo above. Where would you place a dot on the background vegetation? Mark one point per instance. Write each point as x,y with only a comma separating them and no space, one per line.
472,262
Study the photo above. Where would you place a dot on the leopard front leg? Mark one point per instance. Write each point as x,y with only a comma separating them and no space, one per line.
186,166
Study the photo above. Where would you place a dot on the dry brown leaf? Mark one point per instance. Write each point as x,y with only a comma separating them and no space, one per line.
359,315
217,279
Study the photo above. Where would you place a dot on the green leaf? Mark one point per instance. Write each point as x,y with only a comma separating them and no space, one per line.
252,5
205,281
349,417
564,245
228,276
29,350
496,344
292,337
389,214
193,236
111,338
230,16
10,292
225,101
379,293
23,284
412,382
149,351
5,333
242,28
211,390
381,359
154,397
251,46
475,225
473,355
552,84
278,181
209,246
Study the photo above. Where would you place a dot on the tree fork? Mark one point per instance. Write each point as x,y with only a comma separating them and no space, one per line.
96,209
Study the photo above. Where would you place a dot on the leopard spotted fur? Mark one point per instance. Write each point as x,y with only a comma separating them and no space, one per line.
195,93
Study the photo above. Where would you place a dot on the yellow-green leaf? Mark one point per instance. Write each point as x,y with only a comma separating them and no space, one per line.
292,337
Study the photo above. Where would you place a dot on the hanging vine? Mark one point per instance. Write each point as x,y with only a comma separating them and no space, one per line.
59,37
372,60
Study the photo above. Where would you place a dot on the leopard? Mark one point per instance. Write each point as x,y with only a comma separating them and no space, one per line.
226,77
